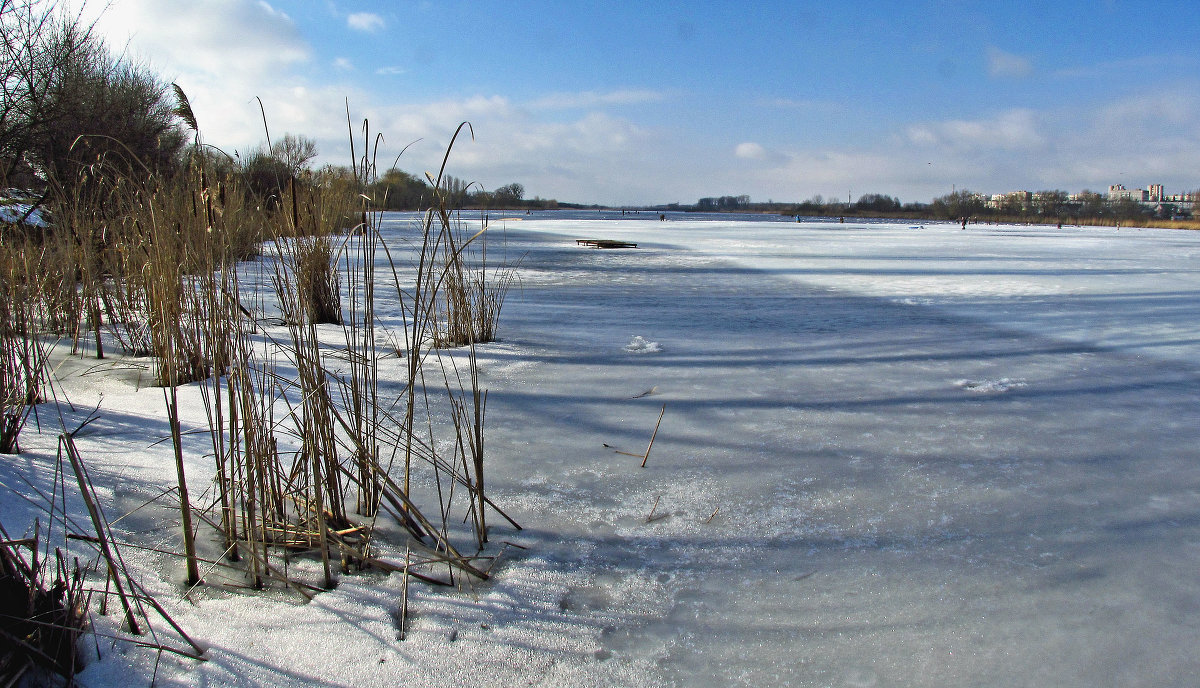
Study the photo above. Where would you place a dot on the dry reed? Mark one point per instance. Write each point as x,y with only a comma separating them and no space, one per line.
308,454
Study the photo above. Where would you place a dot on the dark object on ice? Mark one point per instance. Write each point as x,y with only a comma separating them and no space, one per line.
605,243
41,612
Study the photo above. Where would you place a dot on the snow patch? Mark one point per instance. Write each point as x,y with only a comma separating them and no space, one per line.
640,345
997,386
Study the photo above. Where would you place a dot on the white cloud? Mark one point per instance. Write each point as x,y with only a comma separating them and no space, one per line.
1013,129
392,70
1152,138
1146,114
223,53
1002,64
601,157
592,99
512,143
595,157
219,38
343,64
365,21
831,172
750,151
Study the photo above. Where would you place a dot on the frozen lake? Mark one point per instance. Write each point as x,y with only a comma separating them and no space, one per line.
890,456
938,457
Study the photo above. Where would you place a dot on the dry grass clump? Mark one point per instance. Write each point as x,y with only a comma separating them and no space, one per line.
464,294
472,291
309,452
319,209
313,288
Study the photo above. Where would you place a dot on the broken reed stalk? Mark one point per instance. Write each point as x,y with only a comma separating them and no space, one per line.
130,593
67,446
404,593
480,406
424,453
167,291
645,456
185,504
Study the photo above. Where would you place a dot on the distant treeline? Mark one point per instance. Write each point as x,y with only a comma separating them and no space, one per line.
873,205
399,190
1041,206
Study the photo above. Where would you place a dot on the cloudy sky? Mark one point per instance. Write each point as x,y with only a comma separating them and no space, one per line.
656,102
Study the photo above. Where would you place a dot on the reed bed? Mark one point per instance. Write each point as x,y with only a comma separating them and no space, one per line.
307,460
24,349
308,452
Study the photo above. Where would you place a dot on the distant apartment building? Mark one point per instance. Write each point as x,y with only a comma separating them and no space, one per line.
1019,199
1118,192
1153,197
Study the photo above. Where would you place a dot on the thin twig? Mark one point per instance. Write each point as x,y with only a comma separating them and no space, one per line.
713,515
650,518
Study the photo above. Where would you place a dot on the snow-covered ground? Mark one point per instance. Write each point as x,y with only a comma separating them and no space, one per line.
890,455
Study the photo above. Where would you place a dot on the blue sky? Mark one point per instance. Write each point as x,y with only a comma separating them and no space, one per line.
654,102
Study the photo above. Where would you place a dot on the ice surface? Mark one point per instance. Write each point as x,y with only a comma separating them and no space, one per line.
889,456
21,212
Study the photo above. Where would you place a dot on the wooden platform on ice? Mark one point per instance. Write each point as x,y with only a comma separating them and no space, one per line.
605,243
